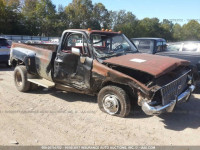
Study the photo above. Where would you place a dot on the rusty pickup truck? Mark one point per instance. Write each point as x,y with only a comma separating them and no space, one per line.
106,64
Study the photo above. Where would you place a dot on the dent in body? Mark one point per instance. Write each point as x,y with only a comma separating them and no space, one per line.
102,74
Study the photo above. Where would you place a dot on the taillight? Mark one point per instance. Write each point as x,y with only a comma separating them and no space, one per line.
8,46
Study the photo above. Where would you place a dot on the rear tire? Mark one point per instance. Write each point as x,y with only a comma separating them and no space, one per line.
20,78
114,100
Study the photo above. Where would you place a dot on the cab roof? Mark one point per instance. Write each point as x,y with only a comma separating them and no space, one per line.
92,31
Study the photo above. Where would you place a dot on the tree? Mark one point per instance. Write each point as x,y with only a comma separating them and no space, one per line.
13,4
10,17
101,16
79,13
191,30
167,29
2,16
40,17
149,28
46,15
62,21
121,17
30,18
177,32
124,21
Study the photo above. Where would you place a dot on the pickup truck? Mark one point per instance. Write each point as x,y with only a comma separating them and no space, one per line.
106,64
187,50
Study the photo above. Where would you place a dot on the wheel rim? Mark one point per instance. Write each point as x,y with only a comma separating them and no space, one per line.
18,78
111,104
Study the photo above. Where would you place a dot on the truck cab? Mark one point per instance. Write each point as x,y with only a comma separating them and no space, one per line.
150,45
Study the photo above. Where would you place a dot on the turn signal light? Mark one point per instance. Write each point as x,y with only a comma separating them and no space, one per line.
110,30
103,29
89,29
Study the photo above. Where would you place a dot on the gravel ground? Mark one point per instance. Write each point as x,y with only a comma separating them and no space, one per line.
47,117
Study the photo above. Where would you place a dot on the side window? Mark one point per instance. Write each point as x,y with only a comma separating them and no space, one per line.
97,40
164,46
146,46
76,40
159,46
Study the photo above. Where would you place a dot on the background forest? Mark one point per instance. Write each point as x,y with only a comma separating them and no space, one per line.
41,17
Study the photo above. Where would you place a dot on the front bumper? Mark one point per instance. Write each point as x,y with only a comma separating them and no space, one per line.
154,110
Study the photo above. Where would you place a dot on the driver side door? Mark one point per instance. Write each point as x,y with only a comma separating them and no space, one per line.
72,69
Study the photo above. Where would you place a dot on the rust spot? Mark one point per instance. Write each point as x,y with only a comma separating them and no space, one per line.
99,68
33,48
44,54
151,64
116,76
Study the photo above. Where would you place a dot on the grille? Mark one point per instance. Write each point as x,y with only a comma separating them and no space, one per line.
172,90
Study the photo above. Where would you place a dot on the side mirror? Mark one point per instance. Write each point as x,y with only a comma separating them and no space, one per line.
76,51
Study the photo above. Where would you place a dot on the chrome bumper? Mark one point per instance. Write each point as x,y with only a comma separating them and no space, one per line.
153,110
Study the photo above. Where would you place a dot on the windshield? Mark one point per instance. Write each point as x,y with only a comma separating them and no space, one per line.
110,45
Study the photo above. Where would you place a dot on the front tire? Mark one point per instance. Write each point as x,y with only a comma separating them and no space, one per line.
114,100
20,78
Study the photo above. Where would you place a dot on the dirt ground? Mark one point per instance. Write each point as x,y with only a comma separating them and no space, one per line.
52,117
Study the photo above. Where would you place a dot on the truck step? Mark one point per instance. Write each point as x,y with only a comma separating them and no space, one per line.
42,82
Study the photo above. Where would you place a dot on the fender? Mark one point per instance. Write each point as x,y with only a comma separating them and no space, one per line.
26,56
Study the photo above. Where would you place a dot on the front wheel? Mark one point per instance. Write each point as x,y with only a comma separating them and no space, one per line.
20,78
114,101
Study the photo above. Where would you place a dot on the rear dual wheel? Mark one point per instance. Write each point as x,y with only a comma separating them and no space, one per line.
21,79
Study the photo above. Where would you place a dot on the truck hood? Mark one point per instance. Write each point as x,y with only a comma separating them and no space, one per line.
151,64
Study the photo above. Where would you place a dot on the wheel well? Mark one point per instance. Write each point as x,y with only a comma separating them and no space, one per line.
17,62
132,93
